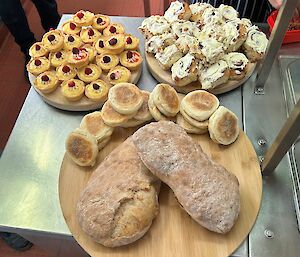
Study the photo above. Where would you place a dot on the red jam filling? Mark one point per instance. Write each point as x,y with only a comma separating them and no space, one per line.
91,32
58,55
88,71
66,69
101,44
75,50
80,15
112,29
37,47
72,26
45,78
95,86
129,54
112,76
71,84
71,39
99,21
51,38
37,62
113,41
129,40
106,59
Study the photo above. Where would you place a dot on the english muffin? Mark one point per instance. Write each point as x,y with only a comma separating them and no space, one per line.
189,128
203,125
157,115
144,113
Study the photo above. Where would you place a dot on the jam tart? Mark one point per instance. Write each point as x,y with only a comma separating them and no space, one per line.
71,41
131,59
38,50
89,35
115,44
71,28
53,40
78,57
99,45
97,90
91,50
83,18
46,82
131,42
118,74
65,72
113,29
89,73
100,22
73,89
58,58
107,61
38,65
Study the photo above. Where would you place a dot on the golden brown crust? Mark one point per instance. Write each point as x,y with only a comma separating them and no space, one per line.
144,113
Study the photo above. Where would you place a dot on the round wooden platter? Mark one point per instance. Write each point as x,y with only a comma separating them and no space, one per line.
57,100
173,233
164,76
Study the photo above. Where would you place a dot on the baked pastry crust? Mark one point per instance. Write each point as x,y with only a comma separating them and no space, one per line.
91,50
125,98
66,72
189,128
143,113
46,82
203,125
83,18
71,41
115,44
78,57
156,114
100,22
89,35
131,42
97,90
73,89
38,50
118,74
107,61
89,73
131,59
58,58
38,65
113,29
71,28
53,40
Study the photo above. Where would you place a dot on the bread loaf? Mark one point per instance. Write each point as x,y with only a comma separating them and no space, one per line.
120,200
205,189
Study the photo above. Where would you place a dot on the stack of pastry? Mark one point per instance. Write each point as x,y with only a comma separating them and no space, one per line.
127,106
200,113
196,43
86,57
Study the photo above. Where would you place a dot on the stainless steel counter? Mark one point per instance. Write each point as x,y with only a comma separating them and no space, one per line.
30,165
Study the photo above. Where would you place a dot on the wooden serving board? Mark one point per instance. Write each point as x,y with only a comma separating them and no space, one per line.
164,76
57,100
173,233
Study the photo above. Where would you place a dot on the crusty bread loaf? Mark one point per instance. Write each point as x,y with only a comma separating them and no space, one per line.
82,147
205,189
223,126
120,200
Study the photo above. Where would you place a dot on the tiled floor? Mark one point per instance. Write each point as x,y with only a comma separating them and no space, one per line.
13,86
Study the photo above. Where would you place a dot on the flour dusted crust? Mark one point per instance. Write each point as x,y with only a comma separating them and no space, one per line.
206,190
238,65
178,10
214,75
168,56
200,104
120,200
81,147
132,123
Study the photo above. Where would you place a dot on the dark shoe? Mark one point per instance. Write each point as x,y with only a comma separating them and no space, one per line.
15,241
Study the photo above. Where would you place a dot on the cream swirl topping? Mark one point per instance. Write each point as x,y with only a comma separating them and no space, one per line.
175,9
199,7
257,40
236,61
185,43
212,16
211,49
157,43
231,33
228,12
213,73
181,28
156,25
181,68
166,54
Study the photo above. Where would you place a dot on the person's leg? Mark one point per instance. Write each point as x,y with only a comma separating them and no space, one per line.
47,10
15,241
13,16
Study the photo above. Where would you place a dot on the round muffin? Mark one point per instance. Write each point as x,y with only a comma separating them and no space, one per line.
131,59
65,72
89,73
72,89
107,61
100,22
38,65
46,82
97,90
38,50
